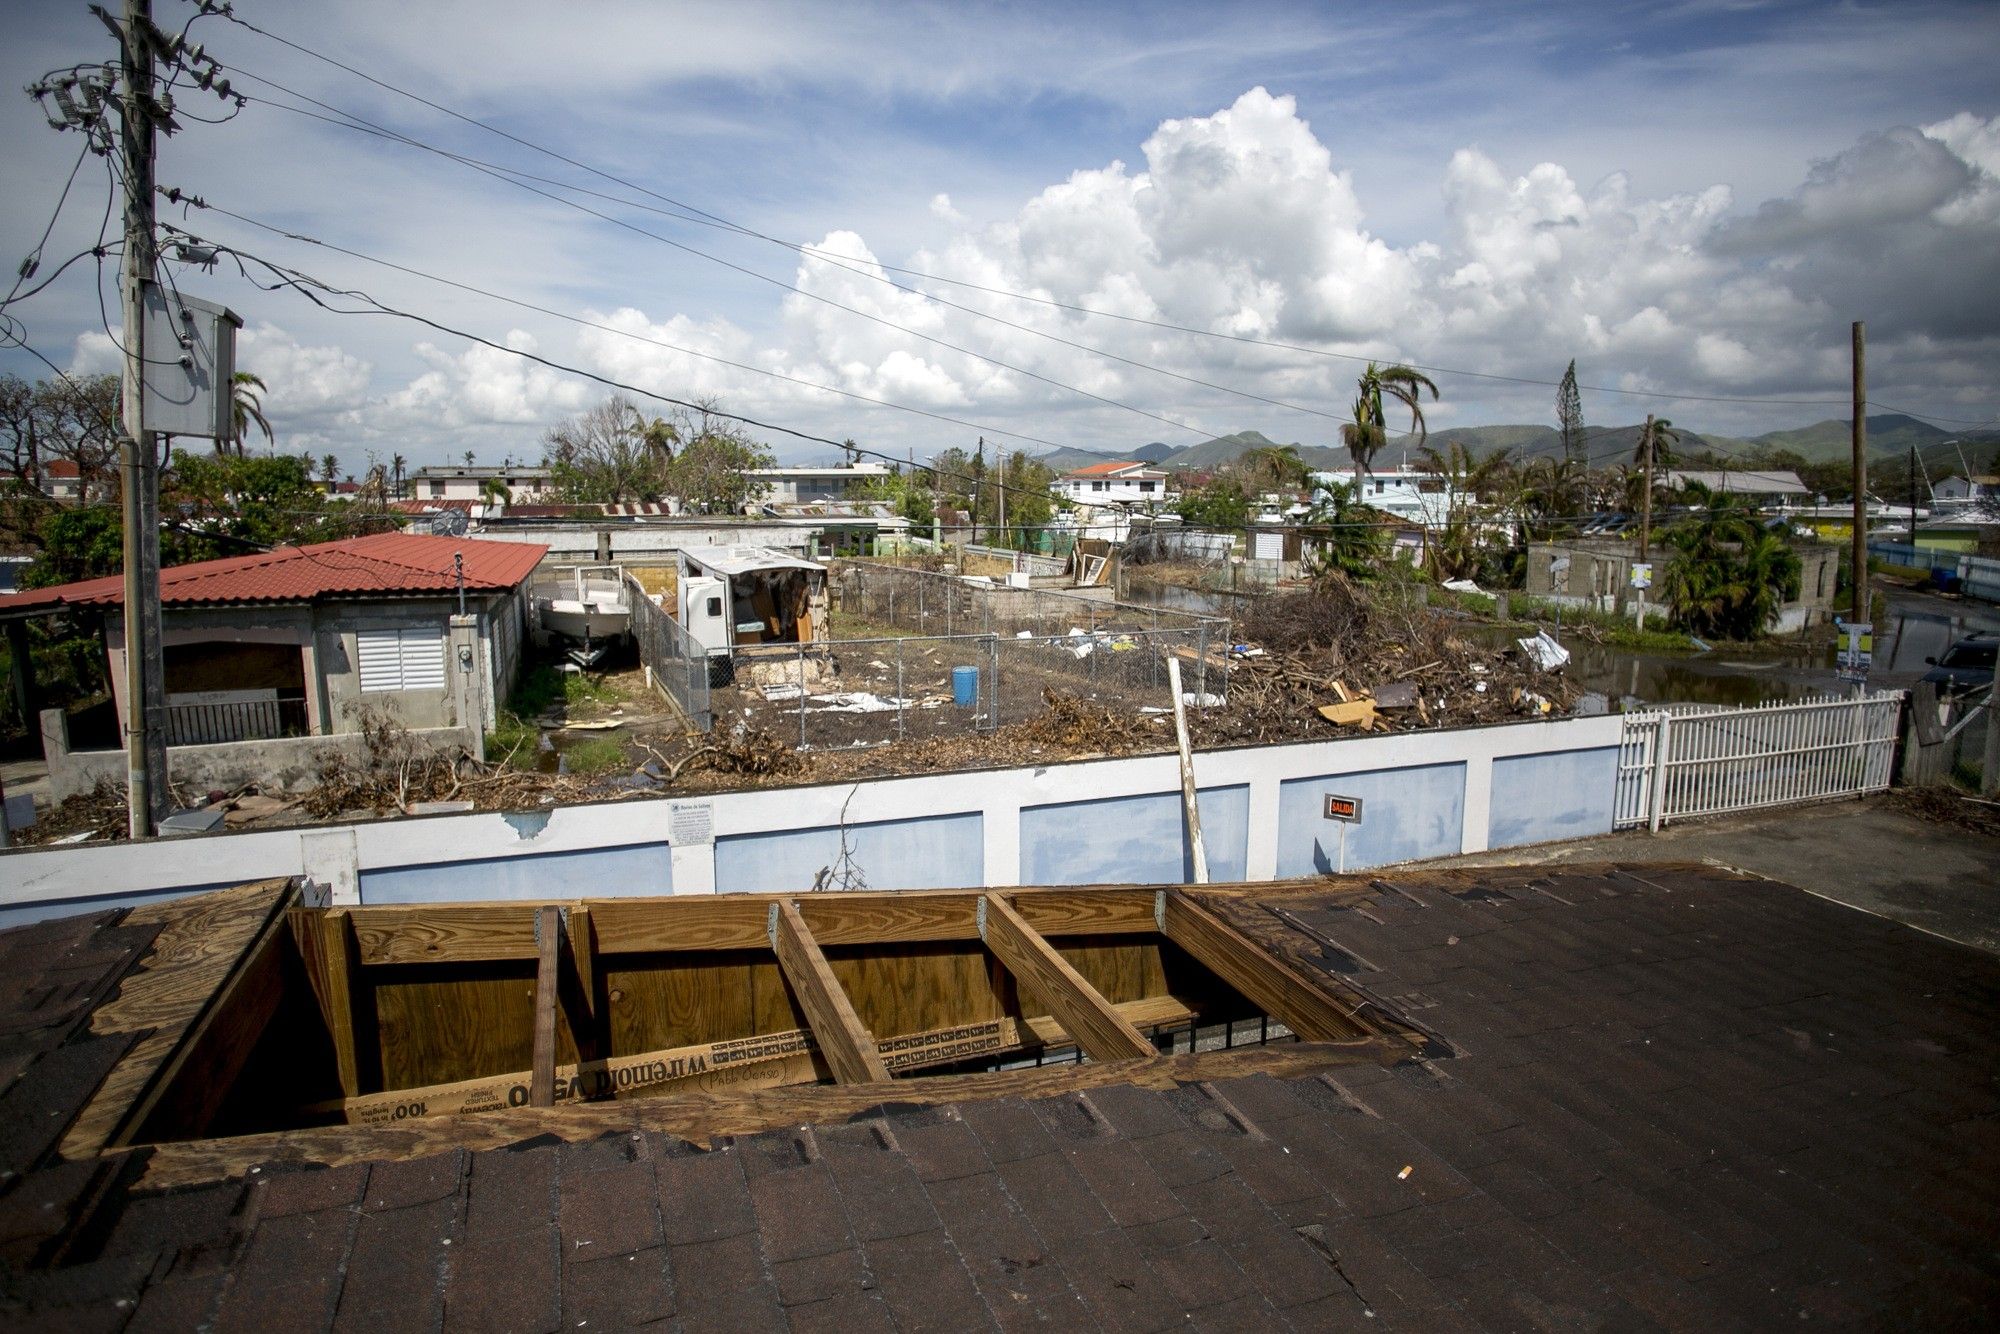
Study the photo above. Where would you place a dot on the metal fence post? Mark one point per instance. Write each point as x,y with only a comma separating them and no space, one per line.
1201,665
802,696
993,677
902,701
1659,793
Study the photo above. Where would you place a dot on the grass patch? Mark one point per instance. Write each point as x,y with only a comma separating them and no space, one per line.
594,755
1617,630
513,742
541,688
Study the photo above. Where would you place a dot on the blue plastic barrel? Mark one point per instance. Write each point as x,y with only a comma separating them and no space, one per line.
965,686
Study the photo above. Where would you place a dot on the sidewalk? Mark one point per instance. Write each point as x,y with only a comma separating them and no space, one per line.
1866,854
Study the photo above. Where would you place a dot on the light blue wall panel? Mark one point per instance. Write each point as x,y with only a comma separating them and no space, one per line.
643,868
1562,794
1133,840
1406,813
935,852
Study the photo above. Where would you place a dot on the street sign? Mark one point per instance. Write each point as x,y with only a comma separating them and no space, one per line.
1857,652
1642,574
1347,809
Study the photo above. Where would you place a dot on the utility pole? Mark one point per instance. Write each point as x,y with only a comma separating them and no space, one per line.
1913,497
1005,539
1859,555
978,476
1646,500
145,688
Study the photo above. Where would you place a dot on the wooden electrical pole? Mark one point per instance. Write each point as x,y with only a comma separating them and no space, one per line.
1646,501
1859,555
145,692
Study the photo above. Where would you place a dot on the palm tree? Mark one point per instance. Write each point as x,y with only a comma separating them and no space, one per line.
1369,431
1279,464
246,408
468,458
396,466
1456,531
329,468
1729,574
1352,541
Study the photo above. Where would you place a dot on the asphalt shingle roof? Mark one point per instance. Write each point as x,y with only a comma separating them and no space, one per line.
1682,1100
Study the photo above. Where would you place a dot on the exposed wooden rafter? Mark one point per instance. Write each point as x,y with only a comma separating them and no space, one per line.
1093,1021
843,1039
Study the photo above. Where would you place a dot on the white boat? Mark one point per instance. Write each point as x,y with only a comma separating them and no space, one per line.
592,610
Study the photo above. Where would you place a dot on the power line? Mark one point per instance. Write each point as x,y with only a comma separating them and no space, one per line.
512,176
707,218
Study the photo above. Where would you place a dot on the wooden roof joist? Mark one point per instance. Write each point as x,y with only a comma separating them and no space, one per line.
329,1021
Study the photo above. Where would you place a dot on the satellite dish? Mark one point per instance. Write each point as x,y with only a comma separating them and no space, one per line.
448,523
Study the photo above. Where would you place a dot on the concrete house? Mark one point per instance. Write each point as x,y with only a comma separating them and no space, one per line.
1955,490
811,486
523,485
309,641
1597,573
1137,484
1413,497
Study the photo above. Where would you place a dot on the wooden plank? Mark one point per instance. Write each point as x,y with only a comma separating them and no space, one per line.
201,941
768,1061
584,1001
1190,796
192,1084
542,1073
844,1040
701,1118
438,932
1271,983
468,932
327,945
1099,1029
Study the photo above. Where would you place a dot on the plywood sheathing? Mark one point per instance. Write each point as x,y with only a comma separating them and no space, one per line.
201,943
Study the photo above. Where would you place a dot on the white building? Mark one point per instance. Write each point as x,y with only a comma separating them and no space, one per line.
450,482
813,486
1129,484
1405,493
1780,490
1954,491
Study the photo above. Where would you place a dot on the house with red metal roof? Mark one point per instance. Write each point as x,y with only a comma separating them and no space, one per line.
312,641
1114,483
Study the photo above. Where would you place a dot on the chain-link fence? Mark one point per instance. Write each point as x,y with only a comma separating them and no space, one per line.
674,662
873,598
920,655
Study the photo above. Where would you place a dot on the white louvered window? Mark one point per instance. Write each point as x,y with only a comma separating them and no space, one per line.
400,659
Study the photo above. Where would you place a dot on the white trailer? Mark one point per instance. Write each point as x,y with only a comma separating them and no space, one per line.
735,598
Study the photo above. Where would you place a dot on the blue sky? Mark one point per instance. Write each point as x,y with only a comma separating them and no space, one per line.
1690,198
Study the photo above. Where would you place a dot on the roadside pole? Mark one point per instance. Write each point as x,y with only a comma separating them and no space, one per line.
1859,554
145,694
1989,760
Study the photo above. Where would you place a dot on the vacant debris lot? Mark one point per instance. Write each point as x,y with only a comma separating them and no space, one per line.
1308,665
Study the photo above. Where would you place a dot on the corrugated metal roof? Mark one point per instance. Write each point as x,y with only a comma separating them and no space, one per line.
398,564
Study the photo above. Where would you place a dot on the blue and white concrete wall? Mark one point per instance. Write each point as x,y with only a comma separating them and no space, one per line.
1424,794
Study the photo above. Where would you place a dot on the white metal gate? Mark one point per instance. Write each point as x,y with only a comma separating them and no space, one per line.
1692,760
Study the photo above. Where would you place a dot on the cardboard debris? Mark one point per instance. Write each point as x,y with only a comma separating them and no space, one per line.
1353,713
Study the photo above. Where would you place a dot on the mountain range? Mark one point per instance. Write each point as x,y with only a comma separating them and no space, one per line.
1890,435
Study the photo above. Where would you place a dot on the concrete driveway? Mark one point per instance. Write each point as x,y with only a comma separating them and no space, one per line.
1867,854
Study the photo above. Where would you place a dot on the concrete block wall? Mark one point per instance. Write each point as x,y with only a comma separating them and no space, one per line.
1424,794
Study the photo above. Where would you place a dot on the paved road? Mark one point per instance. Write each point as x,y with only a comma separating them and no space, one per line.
1867,854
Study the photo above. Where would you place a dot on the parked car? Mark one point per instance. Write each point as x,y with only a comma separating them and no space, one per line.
1966,665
